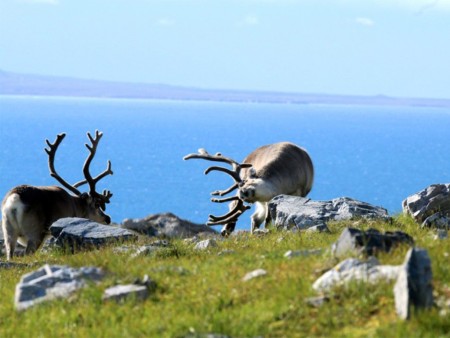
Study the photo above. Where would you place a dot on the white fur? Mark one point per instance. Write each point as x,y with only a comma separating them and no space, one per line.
12,218
260,215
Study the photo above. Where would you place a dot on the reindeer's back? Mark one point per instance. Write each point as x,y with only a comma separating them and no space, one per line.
43,201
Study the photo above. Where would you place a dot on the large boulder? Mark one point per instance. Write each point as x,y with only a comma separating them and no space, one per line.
166,225
76,233
302,213
427,202
353,269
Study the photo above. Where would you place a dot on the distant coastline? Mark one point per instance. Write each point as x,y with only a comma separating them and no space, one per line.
17,84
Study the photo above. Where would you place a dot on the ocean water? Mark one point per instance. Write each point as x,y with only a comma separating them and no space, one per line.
378,155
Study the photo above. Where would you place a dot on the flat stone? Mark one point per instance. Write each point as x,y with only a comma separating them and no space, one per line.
414,288
77,233
368,242
290,212
52,281
120,293
166,225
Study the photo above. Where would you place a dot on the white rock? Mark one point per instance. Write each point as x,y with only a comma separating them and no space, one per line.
254,274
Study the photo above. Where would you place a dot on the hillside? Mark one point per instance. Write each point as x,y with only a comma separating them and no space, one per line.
39,85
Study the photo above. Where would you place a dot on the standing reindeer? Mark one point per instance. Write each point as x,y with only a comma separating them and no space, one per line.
28,211
271,170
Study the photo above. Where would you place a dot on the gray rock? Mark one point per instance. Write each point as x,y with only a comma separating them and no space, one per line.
166,225
206,244
427,202
120,293
52,281
368,242
353,269
77,233
139,289
318,228
298,212
145,250
441,234
10,265
414,283
437,221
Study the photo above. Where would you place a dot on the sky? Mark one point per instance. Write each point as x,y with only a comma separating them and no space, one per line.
353,47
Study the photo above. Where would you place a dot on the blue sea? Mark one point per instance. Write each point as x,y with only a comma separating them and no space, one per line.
375,154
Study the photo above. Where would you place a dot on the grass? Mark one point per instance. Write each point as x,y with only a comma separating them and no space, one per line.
203,292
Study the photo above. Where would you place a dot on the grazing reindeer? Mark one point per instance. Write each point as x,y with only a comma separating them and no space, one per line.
28,211
271,170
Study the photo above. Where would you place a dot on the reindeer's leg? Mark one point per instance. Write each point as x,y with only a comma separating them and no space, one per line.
10,238
32,246
34,240
259,216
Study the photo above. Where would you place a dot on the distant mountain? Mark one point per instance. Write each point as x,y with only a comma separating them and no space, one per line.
39,85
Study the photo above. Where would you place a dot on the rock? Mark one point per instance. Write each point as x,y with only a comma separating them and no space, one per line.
437,221
317,301
77,233
145,250
441,234
368,242
427,202
353,269
166,225
414,283
254,274
318,228
52,281
298,212
10,265
206,244
120,293
302,253
139,290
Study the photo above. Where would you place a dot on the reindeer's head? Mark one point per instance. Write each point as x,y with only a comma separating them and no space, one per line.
237,207
92,203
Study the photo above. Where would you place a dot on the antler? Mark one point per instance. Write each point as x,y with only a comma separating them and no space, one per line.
51,163
230,216
239,208
106,195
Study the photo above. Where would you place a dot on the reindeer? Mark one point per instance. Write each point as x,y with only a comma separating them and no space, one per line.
271,170
28,211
